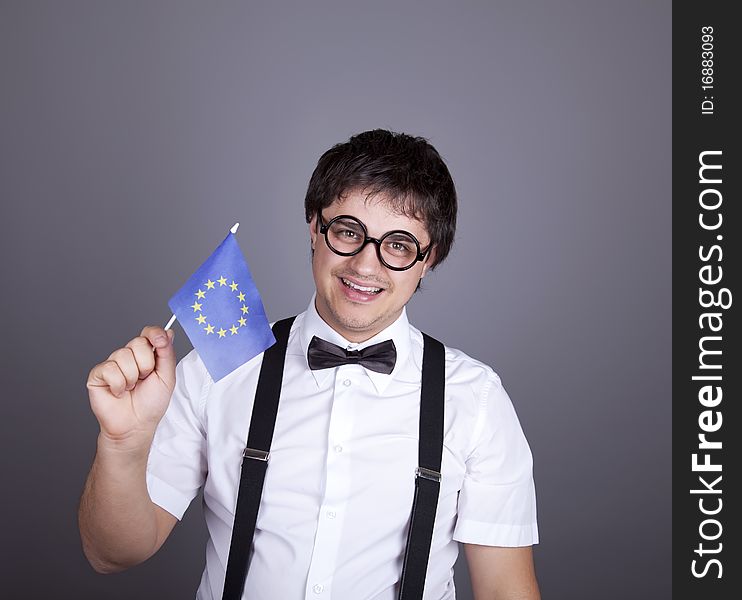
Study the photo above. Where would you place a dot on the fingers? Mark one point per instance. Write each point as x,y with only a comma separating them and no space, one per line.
135,361
124,358
108,374
141,350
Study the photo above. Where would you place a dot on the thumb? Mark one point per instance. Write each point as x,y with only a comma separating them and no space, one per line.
165,358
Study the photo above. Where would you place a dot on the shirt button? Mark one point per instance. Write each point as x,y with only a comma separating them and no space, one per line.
338,449
317,589
346,383
331,514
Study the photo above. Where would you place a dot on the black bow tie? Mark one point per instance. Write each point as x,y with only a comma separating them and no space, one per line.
378,357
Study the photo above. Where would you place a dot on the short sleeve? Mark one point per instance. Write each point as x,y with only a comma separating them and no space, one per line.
176,467
497,502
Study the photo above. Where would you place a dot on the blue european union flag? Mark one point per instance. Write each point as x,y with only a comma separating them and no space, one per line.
221,311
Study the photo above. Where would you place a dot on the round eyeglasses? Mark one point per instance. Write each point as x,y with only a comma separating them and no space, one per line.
397,250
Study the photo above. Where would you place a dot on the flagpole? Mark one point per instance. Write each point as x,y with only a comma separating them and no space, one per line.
233,230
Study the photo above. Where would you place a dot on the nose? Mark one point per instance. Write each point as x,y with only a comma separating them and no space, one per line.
366,262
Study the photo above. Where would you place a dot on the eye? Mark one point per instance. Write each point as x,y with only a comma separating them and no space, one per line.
346,232
399,246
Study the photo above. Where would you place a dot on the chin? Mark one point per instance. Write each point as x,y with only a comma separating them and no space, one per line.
357,318
353,319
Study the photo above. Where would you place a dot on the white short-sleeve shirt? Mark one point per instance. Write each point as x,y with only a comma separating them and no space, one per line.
340,482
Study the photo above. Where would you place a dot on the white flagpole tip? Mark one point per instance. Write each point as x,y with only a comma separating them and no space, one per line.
170,323
235,227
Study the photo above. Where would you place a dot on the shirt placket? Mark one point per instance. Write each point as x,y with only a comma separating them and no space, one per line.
336,490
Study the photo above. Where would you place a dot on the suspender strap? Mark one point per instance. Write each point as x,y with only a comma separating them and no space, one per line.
255,460
428,474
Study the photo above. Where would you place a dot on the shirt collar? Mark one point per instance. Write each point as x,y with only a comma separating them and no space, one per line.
398,332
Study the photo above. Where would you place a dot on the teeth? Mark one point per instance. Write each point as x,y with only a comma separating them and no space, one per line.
360,288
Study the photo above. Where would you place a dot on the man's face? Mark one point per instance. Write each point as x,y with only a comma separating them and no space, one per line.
355,314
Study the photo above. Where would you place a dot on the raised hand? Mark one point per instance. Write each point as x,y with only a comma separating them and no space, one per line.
130,391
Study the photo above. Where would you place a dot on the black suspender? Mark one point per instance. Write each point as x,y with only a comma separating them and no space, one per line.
255,460
256,454
428,473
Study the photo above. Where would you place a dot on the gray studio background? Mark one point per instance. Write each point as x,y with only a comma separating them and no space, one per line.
134,134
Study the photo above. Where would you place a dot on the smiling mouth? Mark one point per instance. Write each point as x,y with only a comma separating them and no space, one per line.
361,288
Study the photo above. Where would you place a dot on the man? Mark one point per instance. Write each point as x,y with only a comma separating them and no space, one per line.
335,507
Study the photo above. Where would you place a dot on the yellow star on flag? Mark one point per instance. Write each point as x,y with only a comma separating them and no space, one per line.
244,309
209,329
209,285
233,329
200,294
196,306
222,332
241,297
233,285
201,319
243,321
222,281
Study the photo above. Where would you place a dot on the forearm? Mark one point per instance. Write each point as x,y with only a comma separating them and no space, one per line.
118,521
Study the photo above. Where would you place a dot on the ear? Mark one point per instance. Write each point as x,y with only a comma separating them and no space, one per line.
429,260
313,230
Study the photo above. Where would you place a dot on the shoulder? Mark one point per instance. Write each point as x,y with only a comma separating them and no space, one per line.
295,333
462,370
192,370
192,380
474,395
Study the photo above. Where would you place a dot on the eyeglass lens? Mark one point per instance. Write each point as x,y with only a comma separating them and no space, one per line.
397,249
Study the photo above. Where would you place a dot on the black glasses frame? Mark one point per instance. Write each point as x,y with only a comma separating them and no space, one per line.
324,228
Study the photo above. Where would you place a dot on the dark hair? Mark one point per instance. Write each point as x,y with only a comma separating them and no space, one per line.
405,169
